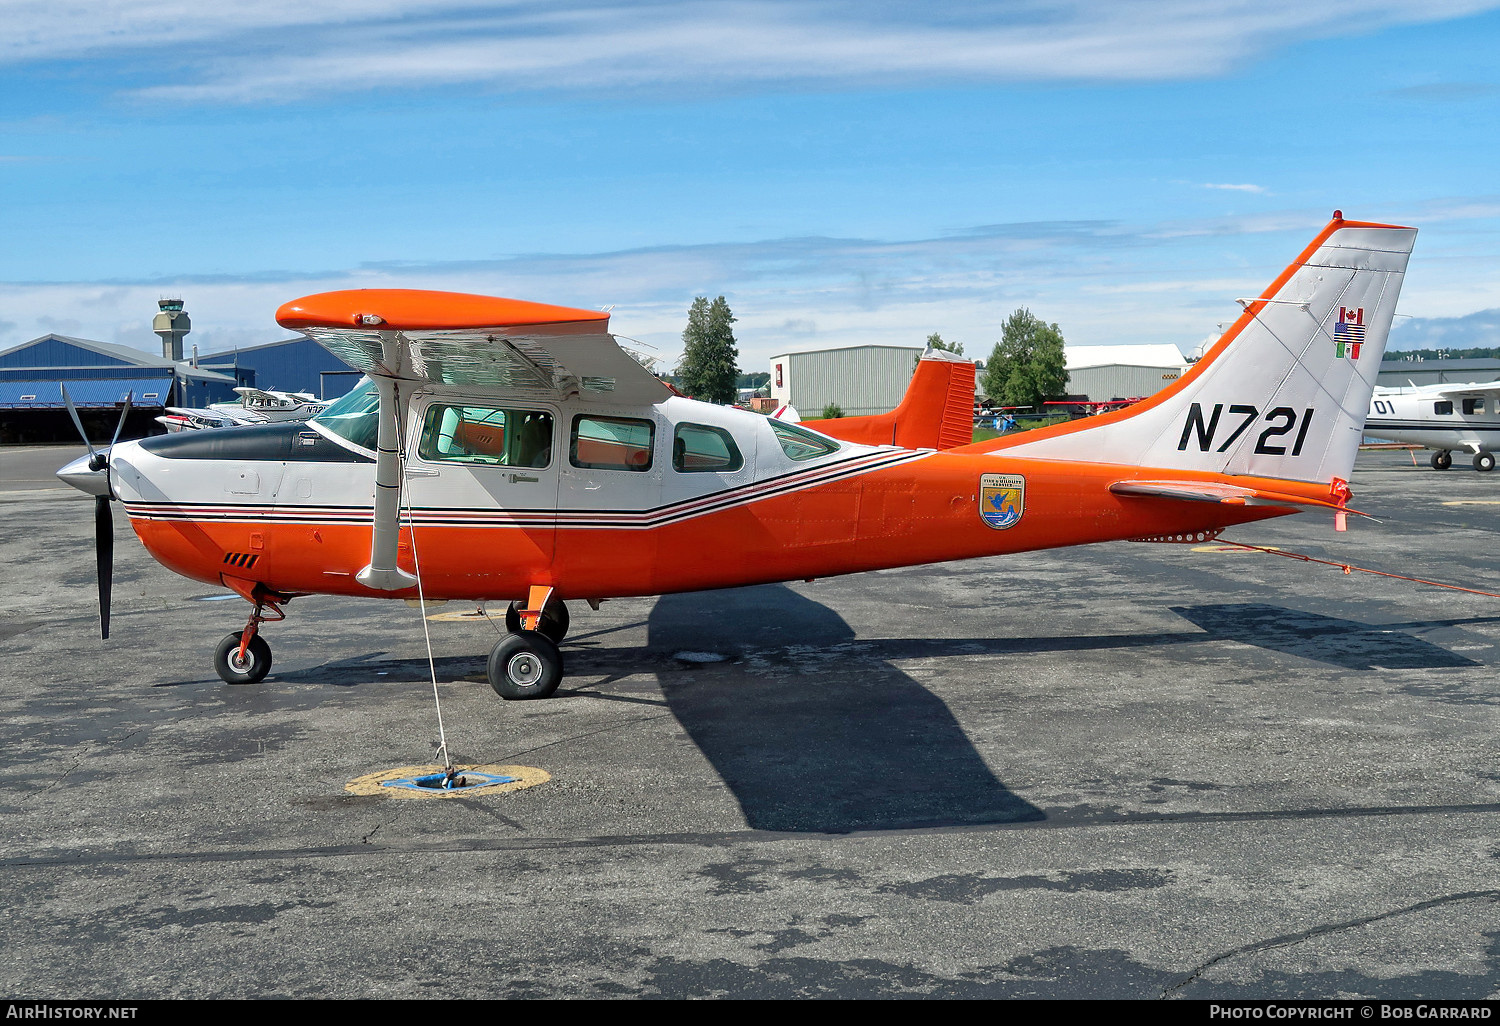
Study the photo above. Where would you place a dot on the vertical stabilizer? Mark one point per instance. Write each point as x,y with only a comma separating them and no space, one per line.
937,411
1283,393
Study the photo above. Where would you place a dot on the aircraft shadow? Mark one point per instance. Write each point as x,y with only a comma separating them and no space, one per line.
816,752
1326,639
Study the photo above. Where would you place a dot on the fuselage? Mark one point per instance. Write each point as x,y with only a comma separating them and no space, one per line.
1426,416
507,492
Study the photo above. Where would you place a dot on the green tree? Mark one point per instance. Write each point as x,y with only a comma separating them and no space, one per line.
708,370
1027,364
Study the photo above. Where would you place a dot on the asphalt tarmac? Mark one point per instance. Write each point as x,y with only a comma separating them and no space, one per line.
1130,770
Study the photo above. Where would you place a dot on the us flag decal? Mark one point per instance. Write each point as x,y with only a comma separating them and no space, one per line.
1349,332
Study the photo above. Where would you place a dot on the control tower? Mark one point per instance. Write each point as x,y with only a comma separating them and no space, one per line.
171,324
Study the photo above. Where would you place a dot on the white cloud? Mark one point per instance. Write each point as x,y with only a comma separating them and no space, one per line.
1101,281
280,49
1257,189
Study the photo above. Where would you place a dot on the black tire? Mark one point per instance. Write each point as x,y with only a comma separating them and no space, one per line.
257,660
554,623
1484,462
1442,459
525,665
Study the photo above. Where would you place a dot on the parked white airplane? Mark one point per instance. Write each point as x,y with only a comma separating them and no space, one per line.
1447,418
256,406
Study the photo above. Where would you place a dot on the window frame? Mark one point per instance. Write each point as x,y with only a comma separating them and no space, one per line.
650,446
737,460
426,434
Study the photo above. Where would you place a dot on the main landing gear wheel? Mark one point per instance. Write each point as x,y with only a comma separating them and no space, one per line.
252,668
554,620
1442,459
525,665
1484,462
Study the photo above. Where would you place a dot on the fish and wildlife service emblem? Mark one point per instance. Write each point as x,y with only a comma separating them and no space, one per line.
1002,499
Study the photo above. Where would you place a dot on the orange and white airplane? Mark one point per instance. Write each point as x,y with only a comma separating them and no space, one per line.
510,451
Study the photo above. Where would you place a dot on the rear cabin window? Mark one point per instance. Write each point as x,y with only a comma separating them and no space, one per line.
1473,406
1443,408
698,448
612,443
799,443
486,435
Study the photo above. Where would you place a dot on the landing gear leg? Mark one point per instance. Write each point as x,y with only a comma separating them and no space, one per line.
554,620
244,657
1442,459
526,663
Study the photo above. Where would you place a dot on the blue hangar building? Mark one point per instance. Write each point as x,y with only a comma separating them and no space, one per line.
99,376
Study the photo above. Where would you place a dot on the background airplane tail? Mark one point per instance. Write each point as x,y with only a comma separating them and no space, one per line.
1283,393
937,411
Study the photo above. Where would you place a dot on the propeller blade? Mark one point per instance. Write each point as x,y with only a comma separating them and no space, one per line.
104,557
73,412
123,414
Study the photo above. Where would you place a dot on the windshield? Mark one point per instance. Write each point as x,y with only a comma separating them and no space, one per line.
355,417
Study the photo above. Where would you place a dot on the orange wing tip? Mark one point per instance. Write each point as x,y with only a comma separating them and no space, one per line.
421,310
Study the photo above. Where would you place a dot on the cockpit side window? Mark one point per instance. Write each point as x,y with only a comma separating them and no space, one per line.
356,416
1443,408
799,443
486,435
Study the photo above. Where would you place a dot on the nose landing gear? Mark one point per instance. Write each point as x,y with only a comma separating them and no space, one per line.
527,663
244,657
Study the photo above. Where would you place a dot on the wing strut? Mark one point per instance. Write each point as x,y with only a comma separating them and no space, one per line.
383,574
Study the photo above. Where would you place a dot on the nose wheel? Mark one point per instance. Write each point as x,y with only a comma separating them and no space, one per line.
244,657
1442,459
247,667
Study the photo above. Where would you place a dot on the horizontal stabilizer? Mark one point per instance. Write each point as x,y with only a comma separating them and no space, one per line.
1228,494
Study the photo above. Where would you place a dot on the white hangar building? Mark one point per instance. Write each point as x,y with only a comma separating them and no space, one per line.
1122,372
861,379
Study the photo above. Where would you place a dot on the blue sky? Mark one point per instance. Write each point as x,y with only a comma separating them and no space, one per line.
842,172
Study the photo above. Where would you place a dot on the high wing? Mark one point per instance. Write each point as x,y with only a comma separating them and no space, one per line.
1491,388
455,338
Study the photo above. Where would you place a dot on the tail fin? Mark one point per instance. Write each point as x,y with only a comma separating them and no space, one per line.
1283,393
937,411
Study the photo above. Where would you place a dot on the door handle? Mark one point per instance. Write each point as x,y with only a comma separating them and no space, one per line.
516,478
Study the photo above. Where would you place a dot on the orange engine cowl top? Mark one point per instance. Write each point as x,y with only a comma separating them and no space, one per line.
418,309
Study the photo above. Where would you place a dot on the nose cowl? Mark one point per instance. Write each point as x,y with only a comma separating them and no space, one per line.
81,475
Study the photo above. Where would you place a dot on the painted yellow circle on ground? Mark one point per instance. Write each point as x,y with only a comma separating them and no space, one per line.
1230,548
374,783
464,617
1473,502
